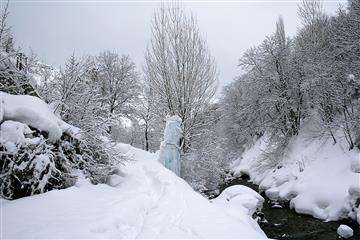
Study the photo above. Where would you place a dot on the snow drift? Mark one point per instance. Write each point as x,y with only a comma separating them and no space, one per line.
321,179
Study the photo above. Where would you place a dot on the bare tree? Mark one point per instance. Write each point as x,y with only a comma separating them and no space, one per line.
6,38
179,68
311,12
145,113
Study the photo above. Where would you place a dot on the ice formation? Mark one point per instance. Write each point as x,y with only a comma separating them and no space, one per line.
170,147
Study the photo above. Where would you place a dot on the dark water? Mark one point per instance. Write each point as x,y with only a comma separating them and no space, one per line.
284,223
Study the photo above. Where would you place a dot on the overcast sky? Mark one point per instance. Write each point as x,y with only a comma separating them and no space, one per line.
54,29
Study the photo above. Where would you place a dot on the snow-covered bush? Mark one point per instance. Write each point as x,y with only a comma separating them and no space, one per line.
30,164
40,152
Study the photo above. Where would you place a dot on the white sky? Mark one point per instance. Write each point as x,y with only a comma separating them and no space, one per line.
54,29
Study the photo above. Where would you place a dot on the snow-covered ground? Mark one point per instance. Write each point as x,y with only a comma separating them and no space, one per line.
321,179
148,201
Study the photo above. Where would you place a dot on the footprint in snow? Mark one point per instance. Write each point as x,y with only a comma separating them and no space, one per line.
98,229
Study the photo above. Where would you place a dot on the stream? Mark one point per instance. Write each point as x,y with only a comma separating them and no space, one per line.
284,223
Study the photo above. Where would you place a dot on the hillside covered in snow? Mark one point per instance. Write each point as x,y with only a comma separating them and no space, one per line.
319,178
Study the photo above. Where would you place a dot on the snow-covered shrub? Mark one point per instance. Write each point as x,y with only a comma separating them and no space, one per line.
30,164
39,152
104,158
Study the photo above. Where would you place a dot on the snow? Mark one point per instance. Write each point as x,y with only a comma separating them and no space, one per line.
149,201
13,134
345,231
35,113
39,164
316,175
114,180
169,149
241,197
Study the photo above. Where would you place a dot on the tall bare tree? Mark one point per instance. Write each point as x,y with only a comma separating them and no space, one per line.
179,69
6,38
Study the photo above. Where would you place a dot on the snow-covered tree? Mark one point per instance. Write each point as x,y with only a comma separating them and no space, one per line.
314,75
205,165
345,48
75,94
149,122
6,37
327,49
312,50
271,91
119,83
13,63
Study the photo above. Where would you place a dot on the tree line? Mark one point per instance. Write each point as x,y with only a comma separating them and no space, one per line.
313,75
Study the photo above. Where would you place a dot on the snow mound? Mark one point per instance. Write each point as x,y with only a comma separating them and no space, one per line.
149,202
242,197
35,113
12,134
316,175
345,231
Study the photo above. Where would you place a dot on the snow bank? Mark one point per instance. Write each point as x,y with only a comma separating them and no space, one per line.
150,202
241,200
316,175
35,113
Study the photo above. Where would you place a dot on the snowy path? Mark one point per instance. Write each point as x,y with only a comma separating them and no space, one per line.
150,202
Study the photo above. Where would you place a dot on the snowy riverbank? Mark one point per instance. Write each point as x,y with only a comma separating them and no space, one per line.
319,178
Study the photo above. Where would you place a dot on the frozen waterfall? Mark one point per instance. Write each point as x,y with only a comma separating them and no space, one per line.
169,149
